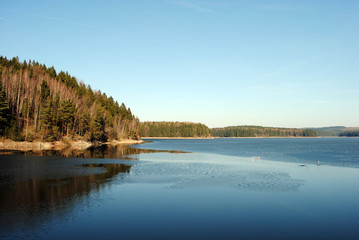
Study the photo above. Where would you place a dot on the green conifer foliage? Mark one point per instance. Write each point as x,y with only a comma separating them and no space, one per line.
5,115
97,126
67,111
47,105
45,91
258,131
173,129
84,124
46,116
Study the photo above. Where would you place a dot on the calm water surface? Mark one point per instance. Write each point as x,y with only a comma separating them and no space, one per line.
343,152
201,189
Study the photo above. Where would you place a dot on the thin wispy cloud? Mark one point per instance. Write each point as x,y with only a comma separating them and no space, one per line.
64,20
278,8
191,5
277,86
224,4
293,65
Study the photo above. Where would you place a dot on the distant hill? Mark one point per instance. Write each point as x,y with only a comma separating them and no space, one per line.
258,131
337,131
349,133
36,102
329,131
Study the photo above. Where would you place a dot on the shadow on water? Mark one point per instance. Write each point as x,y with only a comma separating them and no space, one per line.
37,187
36,201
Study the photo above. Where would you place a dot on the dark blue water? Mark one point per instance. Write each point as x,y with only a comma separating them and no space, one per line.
218,191
343,152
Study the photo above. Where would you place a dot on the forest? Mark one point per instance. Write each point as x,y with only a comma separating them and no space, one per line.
257,131
349,133
173,129
37,103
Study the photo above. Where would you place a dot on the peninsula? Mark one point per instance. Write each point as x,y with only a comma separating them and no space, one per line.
43,109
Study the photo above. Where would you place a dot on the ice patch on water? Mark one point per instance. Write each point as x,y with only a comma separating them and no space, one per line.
198,170
269,181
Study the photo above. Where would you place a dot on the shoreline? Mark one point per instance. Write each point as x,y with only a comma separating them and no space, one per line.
274,137
178,137
233,137
8,144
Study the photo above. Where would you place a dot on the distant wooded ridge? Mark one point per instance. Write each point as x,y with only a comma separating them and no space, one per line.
349,132
258,131
335,131
37,103
187,129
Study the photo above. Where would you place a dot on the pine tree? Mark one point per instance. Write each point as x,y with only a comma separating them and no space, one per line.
97,127
84,123
45,91
46,120
67,111
5,115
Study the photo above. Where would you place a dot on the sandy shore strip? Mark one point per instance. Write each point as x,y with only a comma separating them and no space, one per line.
178,138
229,137
59,145
124,142
25,146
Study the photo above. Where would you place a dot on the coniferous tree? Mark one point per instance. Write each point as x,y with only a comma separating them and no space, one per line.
97,125
258,131
45,91
52,72
44,103
84,124
46,118
67,110
5,115
173,129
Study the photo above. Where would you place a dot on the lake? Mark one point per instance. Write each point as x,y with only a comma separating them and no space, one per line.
276,188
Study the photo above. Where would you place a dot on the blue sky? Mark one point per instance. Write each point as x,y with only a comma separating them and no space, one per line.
222,63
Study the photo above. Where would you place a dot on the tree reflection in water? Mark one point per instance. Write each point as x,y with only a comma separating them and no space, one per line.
104,151
31,203
34,188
